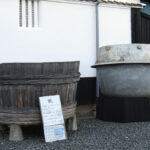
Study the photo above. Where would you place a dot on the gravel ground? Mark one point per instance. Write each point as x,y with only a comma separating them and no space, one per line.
92,134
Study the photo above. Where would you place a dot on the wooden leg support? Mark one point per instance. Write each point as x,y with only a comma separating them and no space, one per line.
15,133
72,123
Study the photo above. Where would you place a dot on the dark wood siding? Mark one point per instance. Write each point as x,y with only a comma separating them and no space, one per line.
140,27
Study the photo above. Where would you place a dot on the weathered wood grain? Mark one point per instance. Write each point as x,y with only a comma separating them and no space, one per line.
30,116
21,85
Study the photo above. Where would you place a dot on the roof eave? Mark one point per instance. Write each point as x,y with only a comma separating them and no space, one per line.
118,2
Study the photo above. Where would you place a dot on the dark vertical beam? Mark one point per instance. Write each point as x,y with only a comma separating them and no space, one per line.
133,25
136,25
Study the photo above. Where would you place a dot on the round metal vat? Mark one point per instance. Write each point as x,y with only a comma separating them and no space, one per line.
124,70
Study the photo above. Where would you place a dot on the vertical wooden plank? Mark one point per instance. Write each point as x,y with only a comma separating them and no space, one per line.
19,100
24,95
74,92
67,93
63,93
1,102
70,95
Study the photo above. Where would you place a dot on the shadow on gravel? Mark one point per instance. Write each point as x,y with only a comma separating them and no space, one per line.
33,131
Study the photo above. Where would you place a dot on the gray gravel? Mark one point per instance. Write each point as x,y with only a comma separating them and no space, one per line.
92,134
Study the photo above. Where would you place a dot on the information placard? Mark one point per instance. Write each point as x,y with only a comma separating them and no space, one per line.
52,117
54,133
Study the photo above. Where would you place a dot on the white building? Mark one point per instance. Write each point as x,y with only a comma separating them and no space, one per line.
63,30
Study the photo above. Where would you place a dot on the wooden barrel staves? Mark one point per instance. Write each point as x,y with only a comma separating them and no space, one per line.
21,85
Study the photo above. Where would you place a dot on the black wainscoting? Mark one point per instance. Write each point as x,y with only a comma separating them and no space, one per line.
123,109
86,91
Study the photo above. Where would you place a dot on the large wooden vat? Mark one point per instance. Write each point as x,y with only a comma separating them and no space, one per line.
21,85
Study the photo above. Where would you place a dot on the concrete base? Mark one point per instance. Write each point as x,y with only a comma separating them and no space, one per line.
15,133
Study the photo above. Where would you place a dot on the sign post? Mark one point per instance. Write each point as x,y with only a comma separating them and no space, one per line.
52,118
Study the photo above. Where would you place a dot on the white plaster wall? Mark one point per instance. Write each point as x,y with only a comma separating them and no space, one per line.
114,25
66,33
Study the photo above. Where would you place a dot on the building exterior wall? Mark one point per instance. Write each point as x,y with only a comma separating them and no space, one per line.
114,25
67,32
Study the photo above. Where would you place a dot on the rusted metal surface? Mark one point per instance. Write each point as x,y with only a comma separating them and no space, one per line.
125,53
21,85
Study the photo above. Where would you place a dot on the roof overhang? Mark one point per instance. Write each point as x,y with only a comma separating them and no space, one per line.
131,3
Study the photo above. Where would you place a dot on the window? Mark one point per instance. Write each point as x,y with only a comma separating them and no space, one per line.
28,13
